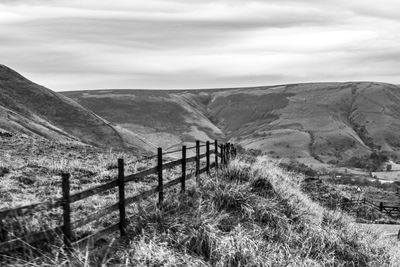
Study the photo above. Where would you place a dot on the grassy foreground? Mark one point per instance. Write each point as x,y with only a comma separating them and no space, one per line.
251,214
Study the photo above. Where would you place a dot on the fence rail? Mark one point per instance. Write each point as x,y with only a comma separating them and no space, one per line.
392,211
223,153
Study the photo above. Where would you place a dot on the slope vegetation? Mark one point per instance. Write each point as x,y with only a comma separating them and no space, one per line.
252,214
319,122
33,109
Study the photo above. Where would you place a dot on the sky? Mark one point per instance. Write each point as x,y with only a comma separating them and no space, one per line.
166,44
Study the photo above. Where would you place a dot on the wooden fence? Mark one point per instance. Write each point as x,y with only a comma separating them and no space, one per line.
222,155
392,211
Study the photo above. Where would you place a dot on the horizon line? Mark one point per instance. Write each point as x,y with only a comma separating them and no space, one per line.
222,88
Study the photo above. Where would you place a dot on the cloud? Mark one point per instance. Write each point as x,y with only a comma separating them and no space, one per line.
92,44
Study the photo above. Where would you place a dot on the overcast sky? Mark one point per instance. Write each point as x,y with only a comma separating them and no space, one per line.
93,44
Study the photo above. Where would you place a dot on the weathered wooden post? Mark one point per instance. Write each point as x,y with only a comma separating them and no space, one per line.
198,161
183,181
121,194
216,154
67,228
223,155
228,151
160,177
208,157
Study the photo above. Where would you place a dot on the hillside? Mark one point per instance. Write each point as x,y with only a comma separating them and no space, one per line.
252,213
35,110
166,118
321,122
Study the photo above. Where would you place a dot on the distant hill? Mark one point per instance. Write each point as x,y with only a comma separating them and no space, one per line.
165,118
321,121
35,110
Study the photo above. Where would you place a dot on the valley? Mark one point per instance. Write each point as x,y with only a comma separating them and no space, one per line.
312,123
316,123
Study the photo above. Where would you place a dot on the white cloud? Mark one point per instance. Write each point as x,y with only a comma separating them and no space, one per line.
192,44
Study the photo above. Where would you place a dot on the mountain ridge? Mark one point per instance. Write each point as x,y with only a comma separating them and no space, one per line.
324,122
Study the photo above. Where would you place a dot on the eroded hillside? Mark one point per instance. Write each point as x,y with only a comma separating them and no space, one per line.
320,122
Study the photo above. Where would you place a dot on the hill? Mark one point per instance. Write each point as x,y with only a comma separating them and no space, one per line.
319,122
166,118
35,110
251,213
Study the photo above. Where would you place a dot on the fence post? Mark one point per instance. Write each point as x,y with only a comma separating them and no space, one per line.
222,155
228,152
67,229
216,154
225,156
208,157
197,161
183,181
121,194
160,178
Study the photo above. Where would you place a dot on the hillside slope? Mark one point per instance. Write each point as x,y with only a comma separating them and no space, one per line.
249,214
33,109
166,118
319,122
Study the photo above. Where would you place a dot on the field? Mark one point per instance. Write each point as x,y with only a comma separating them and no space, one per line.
392,175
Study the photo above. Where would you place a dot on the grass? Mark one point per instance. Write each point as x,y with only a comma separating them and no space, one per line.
31,169
252,214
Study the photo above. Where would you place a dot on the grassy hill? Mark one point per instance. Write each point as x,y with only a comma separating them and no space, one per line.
165,118
251,214
33,109
321,122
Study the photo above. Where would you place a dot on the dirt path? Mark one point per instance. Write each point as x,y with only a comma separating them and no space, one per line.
387,230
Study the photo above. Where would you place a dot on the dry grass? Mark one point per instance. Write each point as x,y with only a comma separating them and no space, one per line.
252,214
32,168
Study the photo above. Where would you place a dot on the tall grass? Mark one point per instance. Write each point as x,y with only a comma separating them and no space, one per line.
251,214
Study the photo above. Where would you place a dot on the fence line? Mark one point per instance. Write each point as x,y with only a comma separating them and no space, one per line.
143,158
225,153
392,211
